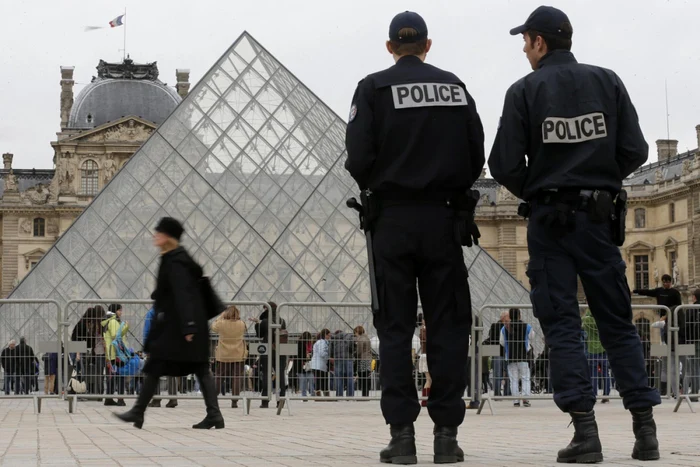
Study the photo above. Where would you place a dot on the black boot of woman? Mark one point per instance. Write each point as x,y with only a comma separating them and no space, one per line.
135,414
214,419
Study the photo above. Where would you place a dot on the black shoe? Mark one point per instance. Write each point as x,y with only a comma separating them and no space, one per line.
585,447
110,402
131,416
154,403
121,403
526,404
234,404
171,404
265,405
445,447
208,423
402,447
604,400
646,446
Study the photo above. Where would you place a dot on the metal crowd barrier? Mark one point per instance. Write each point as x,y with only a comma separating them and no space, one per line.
31,346
101,380
335,333
686,319
532,372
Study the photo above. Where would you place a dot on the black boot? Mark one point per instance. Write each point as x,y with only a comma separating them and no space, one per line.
646,446
445,447
585,447
402,447
131,416
135,415
214,419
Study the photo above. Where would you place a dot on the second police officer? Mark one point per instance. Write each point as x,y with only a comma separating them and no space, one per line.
415,141
581,135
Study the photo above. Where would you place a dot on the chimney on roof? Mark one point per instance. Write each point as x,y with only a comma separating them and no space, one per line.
7,160
66,94
697,132
182,77
666,148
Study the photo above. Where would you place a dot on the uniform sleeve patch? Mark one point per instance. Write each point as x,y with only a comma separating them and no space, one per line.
353,113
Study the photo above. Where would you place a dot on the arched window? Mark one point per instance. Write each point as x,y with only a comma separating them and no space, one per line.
39,227
640,218
88,178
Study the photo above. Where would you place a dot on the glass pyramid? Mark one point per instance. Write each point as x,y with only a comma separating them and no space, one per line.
251,162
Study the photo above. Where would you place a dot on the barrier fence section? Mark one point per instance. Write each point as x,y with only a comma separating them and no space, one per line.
329,352
31,344
513,360
686,354
104,358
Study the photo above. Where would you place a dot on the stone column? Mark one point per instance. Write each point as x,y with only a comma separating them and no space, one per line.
697,132
182,76
10,251
7,160
66,94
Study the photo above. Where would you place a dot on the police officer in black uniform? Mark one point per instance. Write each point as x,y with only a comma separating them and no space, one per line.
581,135
415,141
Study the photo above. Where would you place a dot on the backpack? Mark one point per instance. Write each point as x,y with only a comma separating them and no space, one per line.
122,354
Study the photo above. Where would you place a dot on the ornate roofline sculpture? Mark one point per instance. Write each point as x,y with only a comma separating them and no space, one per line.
127,70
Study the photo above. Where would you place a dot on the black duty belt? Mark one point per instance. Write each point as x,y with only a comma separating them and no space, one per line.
435,198
577,199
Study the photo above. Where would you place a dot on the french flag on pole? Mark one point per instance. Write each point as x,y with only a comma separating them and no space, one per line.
118,21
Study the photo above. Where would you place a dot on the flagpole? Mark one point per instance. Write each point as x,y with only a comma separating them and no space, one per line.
124,33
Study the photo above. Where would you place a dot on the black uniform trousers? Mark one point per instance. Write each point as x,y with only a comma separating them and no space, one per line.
417,243
555,260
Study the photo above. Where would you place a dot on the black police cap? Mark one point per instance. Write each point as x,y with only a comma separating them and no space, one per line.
546,19
408,19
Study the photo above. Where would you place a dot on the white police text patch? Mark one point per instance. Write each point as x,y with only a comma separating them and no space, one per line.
575,129
428,95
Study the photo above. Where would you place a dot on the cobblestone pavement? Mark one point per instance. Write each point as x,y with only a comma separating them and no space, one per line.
316,433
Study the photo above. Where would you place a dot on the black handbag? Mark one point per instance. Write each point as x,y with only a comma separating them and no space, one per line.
212,303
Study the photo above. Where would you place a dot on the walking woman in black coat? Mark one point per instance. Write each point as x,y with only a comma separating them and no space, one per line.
178,342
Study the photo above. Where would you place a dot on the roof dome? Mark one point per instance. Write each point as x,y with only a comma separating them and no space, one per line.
121,90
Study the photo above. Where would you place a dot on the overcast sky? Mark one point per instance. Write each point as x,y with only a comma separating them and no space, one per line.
330,45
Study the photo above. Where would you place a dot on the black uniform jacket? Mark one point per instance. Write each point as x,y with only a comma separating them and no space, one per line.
575,123
414,128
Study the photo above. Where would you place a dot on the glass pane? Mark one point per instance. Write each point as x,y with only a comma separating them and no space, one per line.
237,268
141,169
90,225
179,205
144,207
176,168
109,246
127,225
156,149
128,267
160,187
72,245
198,226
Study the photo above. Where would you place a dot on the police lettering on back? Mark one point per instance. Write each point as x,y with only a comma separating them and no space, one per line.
428,95
574,130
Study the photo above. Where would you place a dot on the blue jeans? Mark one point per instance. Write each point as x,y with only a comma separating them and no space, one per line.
593,360
306,383
497,364
344,377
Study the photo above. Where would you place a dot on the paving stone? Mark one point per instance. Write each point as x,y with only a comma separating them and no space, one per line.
316,434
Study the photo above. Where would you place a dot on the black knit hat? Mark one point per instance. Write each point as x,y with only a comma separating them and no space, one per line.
170,227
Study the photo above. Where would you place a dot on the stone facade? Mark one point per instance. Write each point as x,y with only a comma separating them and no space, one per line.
37,206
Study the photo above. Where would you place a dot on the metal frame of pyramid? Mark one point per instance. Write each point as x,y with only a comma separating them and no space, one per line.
251,161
